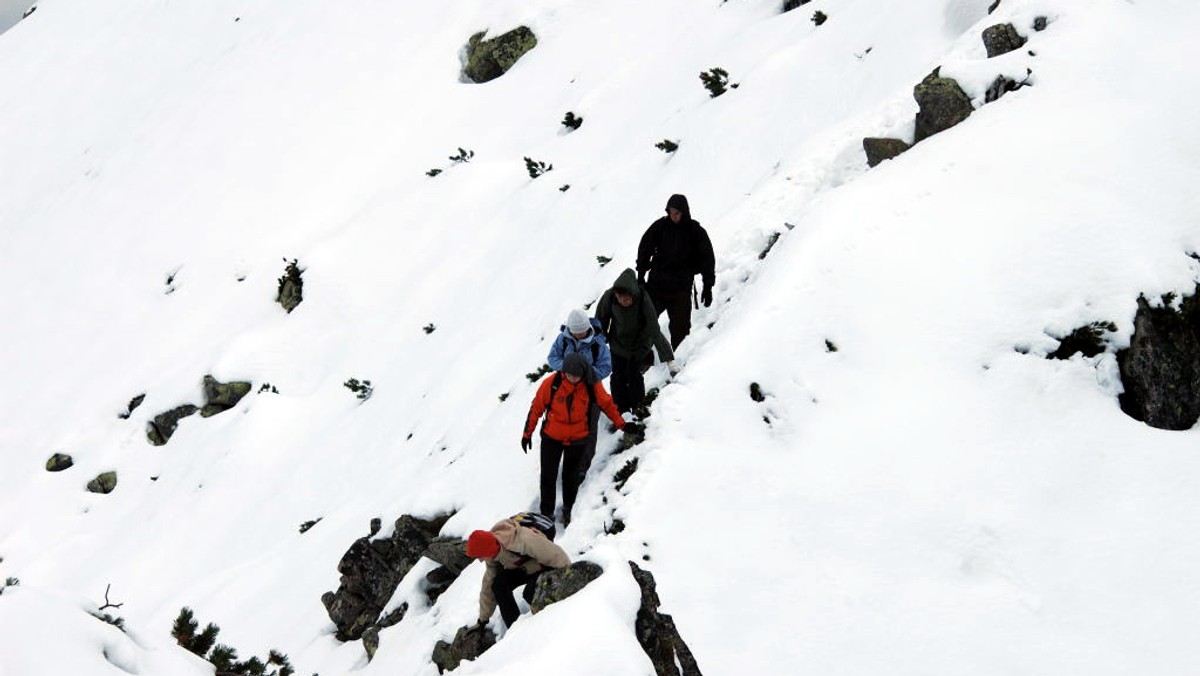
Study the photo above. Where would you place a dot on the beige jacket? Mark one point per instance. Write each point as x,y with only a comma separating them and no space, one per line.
520,547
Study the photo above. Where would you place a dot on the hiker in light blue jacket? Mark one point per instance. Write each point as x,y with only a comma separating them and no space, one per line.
582,335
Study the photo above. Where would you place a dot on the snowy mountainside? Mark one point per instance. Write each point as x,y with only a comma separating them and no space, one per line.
919,492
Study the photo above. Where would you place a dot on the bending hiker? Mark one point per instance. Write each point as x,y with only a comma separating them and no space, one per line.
564,398
515,555
627,316
582,336
674,250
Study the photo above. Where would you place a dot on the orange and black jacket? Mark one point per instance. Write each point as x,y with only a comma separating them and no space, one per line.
567,421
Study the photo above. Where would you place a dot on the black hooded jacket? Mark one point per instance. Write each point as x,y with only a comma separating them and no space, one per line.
674,253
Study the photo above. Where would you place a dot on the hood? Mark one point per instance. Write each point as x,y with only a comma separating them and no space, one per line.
680,202
627,282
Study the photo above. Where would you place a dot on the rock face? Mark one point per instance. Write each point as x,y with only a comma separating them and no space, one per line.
160,429
371,570
103,483
657,633
58,462
999,87
789,5
291,287
942,104
880,149
556,585
469,643
1161,367
219,397
489,59
452,554
1001,39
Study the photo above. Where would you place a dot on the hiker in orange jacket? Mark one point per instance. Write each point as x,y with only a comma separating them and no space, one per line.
564,398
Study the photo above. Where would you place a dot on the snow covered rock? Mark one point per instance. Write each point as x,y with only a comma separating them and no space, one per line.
1161,367
880,149
657,633
943,104
469,643
489,59
105,482
220,396
557,585
58,462
1001,39
160,429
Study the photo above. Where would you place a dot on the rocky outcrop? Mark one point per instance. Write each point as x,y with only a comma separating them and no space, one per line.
942,104
657,634
789,5
290,292
556,585
999,87
163,425
1089,341
1160,369
105,482
58,462
452,554
371,571
1001,39
880,149
468,644
220,397
489,59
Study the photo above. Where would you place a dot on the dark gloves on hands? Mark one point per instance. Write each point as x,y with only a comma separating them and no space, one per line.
706,296
526,444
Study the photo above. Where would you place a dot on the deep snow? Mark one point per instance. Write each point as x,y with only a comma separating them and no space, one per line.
933,497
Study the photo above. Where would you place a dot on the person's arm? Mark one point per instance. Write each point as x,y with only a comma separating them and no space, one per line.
604,311
605,402
707,260
646,251
603,365
665,353
487,598
540,401
555,358
545,552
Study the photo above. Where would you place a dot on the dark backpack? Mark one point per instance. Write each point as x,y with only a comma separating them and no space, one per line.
554,385
536,521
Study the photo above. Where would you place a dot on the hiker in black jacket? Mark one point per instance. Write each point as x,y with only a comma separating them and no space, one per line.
627,316
674,250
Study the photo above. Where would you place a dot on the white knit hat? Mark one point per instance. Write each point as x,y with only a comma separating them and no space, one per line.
577,321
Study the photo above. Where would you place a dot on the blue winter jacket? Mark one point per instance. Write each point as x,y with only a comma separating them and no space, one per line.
593,348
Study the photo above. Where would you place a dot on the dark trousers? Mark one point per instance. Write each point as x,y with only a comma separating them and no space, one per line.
628,386
571,456
503,586
678,306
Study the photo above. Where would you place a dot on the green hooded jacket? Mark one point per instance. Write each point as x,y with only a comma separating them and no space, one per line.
631,331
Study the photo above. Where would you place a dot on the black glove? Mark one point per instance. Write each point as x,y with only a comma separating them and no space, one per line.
706,296
526,444
633,428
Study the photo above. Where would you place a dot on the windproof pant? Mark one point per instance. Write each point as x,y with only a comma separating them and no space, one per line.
571,456
503,586
628,386
678,306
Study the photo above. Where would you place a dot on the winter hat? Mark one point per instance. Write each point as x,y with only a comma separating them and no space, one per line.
482,545
575,365
577,321
679,202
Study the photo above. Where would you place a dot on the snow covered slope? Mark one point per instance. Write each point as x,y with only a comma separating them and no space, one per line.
919,493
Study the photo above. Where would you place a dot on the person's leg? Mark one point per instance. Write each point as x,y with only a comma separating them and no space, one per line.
551,455
679,312
531,586
589,446
637,383
572,476
503,586
620,380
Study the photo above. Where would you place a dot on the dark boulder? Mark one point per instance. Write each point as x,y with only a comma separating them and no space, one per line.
489,59
1039,23
942,104
133,404
1001,39
657,633
371,570
290,291
1089,341
789,5
468,644
1160,369
451,553
999,87
105,482
160,429
58,462
557,585
880,149
220,397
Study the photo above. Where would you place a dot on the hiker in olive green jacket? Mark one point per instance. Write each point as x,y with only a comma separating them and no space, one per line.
629,321
515,555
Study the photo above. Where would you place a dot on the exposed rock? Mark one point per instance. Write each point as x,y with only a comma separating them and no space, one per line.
160,429
999,87
451,552
133,404
556,585
469,643
58,462
371,571
992,7
942,104
1086,340
103,483
789,5
880,149
220,397
1002,39
657,633
437,581
489,59
370,641
1039,23
291,286
1161,367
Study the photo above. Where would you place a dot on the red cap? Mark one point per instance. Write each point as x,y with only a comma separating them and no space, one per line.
482,545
